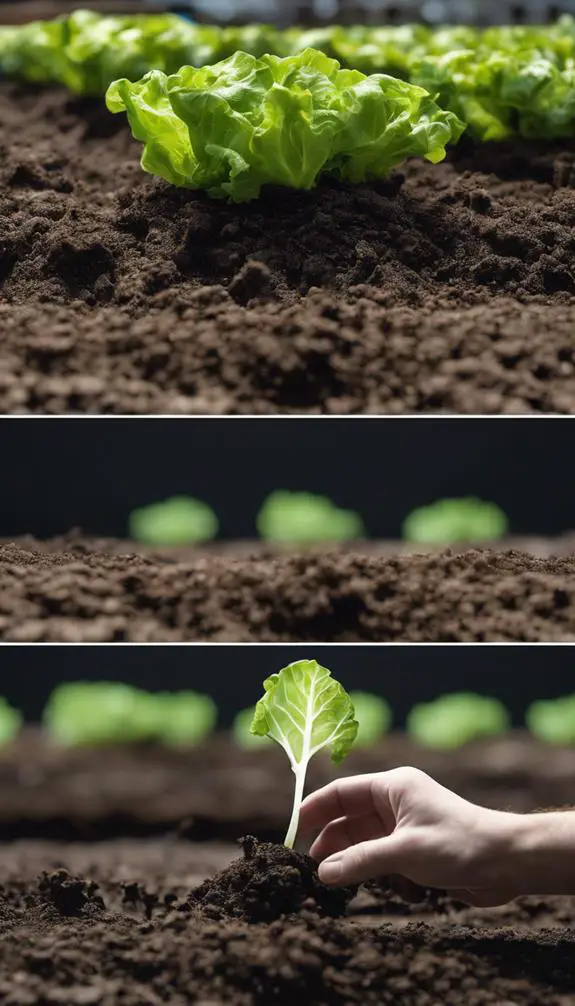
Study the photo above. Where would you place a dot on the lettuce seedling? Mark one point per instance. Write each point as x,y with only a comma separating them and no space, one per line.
553,720
453,720
453,520
373,715
304,517
305,711
94,713
177,521
242,732
10,721
231,128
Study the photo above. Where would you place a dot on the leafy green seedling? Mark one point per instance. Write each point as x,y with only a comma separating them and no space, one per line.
93,713
184,718
454,520
453,720
305,710
242,732
373,715
304,517
10,721
177,521
553,720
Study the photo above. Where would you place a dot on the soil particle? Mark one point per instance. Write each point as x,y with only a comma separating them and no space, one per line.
269,882
121,294
474,596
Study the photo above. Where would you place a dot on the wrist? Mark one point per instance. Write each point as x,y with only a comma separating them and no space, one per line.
542,859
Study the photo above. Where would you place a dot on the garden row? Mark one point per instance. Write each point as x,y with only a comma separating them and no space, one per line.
106,713
499,81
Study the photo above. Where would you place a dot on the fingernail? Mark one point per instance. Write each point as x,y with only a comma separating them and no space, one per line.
331,870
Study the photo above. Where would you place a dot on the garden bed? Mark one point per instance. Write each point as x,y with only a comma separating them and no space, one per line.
124,920
478,595
449,288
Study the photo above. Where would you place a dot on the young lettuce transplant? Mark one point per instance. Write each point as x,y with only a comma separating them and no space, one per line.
454,520
180,520
373,715
306,518
305,711
454,720
100,713
553,720
231,128
10,721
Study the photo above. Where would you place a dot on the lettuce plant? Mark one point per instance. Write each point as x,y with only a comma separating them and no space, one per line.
453,720
373,715
10,721
242,732
454,520
305,711
246,122
553,720
100,713
304,517
177,521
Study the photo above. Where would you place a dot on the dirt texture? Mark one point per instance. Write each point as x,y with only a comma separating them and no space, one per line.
218,792
475,596
122,932
446,289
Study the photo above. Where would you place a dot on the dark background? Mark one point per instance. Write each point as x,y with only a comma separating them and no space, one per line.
59,474
233,675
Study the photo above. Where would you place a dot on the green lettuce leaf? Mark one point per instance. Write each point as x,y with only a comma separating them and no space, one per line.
453,720
247,122
305,711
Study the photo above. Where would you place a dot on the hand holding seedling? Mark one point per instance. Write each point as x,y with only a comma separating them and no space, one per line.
404,823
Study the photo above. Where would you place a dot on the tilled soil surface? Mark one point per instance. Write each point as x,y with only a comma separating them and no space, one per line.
448,288
475,596
123,929
218,792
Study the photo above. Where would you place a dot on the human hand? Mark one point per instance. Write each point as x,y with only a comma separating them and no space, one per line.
404,823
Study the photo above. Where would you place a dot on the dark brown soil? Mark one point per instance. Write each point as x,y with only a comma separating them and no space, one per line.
122,932
450,288
474,596
218,792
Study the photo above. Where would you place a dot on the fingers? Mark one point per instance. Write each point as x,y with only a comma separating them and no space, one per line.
348,797
339,835
376,858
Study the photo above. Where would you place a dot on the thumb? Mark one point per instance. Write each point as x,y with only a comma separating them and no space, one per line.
378,858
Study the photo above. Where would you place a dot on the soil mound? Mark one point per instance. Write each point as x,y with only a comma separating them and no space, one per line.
269,882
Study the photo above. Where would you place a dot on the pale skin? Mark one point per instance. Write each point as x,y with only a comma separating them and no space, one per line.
403,823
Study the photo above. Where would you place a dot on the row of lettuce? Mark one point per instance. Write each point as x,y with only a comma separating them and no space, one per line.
302,518
228,111
108,713
499,81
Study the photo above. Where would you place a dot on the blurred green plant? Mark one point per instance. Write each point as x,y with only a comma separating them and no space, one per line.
100,713
453,520
241,730
304,517
10,721
453,720
553,720
374,716
180,520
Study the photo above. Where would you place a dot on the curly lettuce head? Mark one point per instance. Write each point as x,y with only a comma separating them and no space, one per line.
246,122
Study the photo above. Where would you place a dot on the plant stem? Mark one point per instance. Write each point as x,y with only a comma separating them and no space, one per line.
297,801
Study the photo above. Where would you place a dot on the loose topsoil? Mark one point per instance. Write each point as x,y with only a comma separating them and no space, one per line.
163,920
447,288
87,595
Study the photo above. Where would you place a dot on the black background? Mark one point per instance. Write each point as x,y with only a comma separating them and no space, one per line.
233,675
58,474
